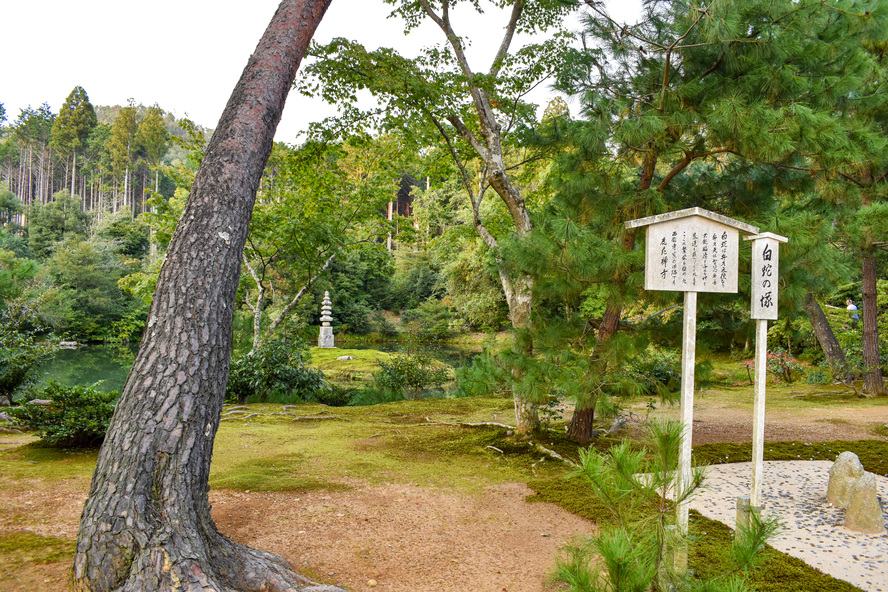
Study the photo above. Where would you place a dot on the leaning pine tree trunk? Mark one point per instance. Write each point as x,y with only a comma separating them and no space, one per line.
832,349
873,385
146,524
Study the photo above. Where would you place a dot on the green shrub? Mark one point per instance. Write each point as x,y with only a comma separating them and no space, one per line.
818,376
784,366
410,374
486,375
334,395
77,415
277,368
382,325
656,370
370,395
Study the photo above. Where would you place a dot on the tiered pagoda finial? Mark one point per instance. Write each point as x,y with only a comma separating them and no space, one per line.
325,339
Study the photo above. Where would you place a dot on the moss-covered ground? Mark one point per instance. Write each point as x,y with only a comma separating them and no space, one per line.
347,372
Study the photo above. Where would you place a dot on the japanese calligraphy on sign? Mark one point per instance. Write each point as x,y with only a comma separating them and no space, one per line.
765,248
692,250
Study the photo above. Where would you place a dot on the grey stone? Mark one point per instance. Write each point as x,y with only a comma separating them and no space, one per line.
846,471
864,513
345,358
326,339
41,402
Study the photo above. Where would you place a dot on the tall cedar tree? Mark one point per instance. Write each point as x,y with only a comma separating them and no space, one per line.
153,140
121,146
471,115
698,90
146,524
72,127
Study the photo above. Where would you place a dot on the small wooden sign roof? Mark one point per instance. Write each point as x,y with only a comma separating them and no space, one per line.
671,216
770,235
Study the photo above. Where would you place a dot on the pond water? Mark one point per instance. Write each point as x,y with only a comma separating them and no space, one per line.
109,365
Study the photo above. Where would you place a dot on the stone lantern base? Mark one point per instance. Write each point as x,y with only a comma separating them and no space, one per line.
325,339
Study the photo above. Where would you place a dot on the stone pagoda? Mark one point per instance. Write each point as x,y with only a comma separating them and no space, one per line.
326,337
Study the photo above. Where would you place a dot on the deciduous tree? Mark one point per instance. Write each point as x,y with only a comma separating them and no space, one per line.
469,113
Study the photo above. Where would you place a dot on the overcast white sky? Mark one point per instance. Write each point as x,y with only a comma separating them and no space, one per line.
184,55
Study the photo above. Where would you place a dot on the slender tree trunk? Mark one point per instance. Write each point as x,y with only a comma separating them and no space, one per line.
580,429
146,525
74,171
832,350
873,385
388,243
519,296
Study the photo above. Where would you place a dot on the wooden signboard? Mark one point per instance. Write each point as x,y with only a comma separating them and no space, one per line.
690,251
765,251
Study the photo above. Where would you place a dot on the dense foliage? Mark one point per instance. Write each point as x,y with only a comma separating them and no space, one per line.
773,113
67,416
276,370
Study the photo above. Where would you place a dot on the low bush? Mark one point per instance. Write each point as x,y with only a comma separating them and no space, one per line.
68,416
278,369
410,374
429,322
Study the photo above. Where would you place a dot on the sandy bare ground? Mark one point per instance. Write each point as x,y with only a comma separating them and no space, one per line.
722,424
402,537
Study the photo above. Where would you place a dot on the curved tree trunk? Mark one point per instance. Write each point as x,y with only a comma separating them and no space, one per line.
832,350
146,524
873,385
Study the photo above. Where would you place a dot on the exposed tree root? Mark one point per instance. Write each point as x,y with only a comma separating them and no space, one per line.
182,564
539,447
244,417
553,454
480,424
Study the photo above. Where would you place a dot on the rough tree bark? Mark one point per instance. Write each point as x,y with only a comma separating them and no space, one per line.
832,350
146,524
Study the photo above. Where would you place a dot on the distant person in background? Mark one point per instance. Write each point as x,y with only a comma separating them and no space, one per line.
852,308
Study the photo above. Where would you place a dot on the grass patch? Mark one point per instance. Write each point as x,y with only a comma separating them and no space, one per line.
360,369
573,494
273,473
35,459
873,454
880,429
405,441
19,547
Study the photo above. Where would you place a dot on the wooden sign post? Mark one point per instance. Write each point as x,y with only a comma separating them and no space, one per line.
690,251
765,250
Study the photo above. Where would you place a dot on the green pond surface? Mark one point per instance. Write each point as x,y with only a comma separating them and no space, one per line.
107,366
